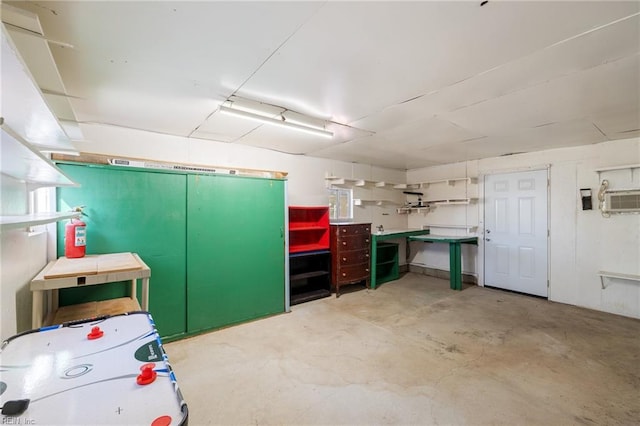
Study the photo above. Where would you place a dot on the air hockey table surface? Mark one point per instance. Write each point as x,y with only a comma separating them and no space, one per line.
109,370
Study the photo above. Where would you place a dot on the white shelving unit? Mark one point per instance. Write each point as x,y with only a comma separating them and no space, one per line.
451,201
21,221
26,126
630,167
24,107
364,184
23,162
407,210
363,202
429,204
450,182
351,182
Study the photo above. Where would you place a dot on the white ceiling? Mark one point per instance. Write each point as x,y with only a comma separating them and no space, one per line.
403,84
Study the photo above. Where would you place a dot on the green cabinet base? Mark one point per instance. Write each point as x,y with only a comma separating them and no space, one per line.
387,267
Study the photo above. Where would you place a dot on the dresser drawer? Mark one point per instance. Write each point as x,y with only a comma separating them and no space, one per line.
353,272
354,242
363,229
353,257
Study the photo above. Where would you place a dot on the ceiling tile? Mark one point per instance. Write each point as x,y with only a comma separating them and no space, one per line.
382,53
619,124
612,86
283,140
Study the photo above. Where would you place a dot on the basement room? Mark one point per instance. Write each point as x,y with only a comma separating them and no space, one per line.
320,212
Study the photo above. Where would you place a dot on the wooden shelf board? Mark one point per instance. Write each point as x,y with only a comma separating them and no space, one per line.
94,309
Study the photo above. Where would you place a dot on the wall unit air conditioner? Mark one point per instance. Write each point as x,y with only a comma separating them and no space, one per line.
621,201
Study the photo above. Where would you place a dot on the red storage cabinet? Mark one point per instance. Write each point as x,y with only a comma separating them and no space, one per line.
308,228
309,255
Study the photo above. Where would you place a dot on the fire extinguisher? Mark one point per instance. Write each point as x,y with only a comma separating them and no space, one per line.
75,235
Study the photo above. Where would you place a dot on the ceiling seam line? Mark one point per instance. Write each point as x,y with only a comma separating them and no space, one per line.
256,70
542,82
504,64
277,49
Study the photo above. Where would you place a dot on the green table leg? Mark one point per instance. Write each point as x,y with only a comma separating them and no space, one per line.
455,266
374,261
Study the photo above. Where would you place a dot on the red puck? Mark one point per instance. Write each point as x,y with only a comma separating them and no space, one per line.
151,365
146,376
96,333
162,421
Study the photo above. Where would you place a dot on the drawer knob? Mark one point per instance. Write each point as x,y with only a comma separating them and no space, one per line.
367,270
344,243
344,274
367,240
367,229
344,230
366,255
344,259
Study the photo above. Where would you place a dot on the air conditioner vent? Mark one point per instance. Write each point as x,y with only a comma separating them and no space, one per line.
622,201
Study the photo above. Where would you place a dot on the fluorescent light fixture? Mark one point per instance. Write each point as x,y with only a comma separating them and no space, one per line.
282,122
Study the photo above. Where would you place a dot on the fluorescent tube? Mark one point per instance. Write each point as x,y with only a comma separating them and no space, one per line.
275,122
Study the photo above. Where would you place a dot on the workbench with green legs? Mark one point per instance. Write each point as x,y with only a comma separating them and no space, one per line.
455,254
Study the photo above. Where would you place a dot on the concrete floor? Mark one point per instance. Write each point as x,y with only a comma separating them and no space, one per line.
415,352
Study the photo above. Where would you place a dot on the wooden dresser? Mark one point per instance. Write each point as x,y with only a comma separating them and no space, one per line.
350,254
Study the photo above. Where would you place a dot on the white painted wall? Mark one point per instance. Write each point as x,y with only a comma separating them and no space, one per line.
306,184
22,256
581,242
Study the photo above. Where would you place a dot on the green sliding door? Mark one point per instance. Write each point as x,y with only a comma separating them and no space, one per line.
235,250
133,211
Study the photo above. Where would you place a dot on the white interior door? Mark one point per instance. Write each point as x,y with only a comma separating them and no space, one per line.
515,235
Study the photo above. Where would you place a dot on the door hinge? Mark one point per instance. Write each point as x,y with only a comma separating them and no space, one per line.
548,233
547,283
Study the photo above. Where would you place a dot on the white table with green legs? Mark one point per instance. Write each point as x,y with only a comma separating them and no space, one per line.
455,254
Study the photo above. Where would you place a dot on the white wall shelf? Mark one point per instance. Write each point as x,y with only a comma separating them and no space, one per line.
450,182
363,202
451,201
408,210
355,182
21,221
23,162
617,275
24,107
630,167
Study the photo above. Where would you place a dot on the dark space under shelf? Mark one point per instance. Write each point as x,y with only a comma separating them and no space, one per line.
306,275
308,296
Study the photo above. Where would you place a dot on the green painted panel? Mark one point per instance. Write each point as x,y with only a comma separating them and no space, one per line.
235,250
140,212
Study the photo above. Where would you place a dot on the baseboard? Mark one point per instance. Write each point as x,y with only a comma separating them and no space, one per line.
440,273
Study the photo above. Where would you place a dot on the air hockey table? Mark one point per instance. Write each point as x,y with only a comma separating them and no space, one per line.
109,370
